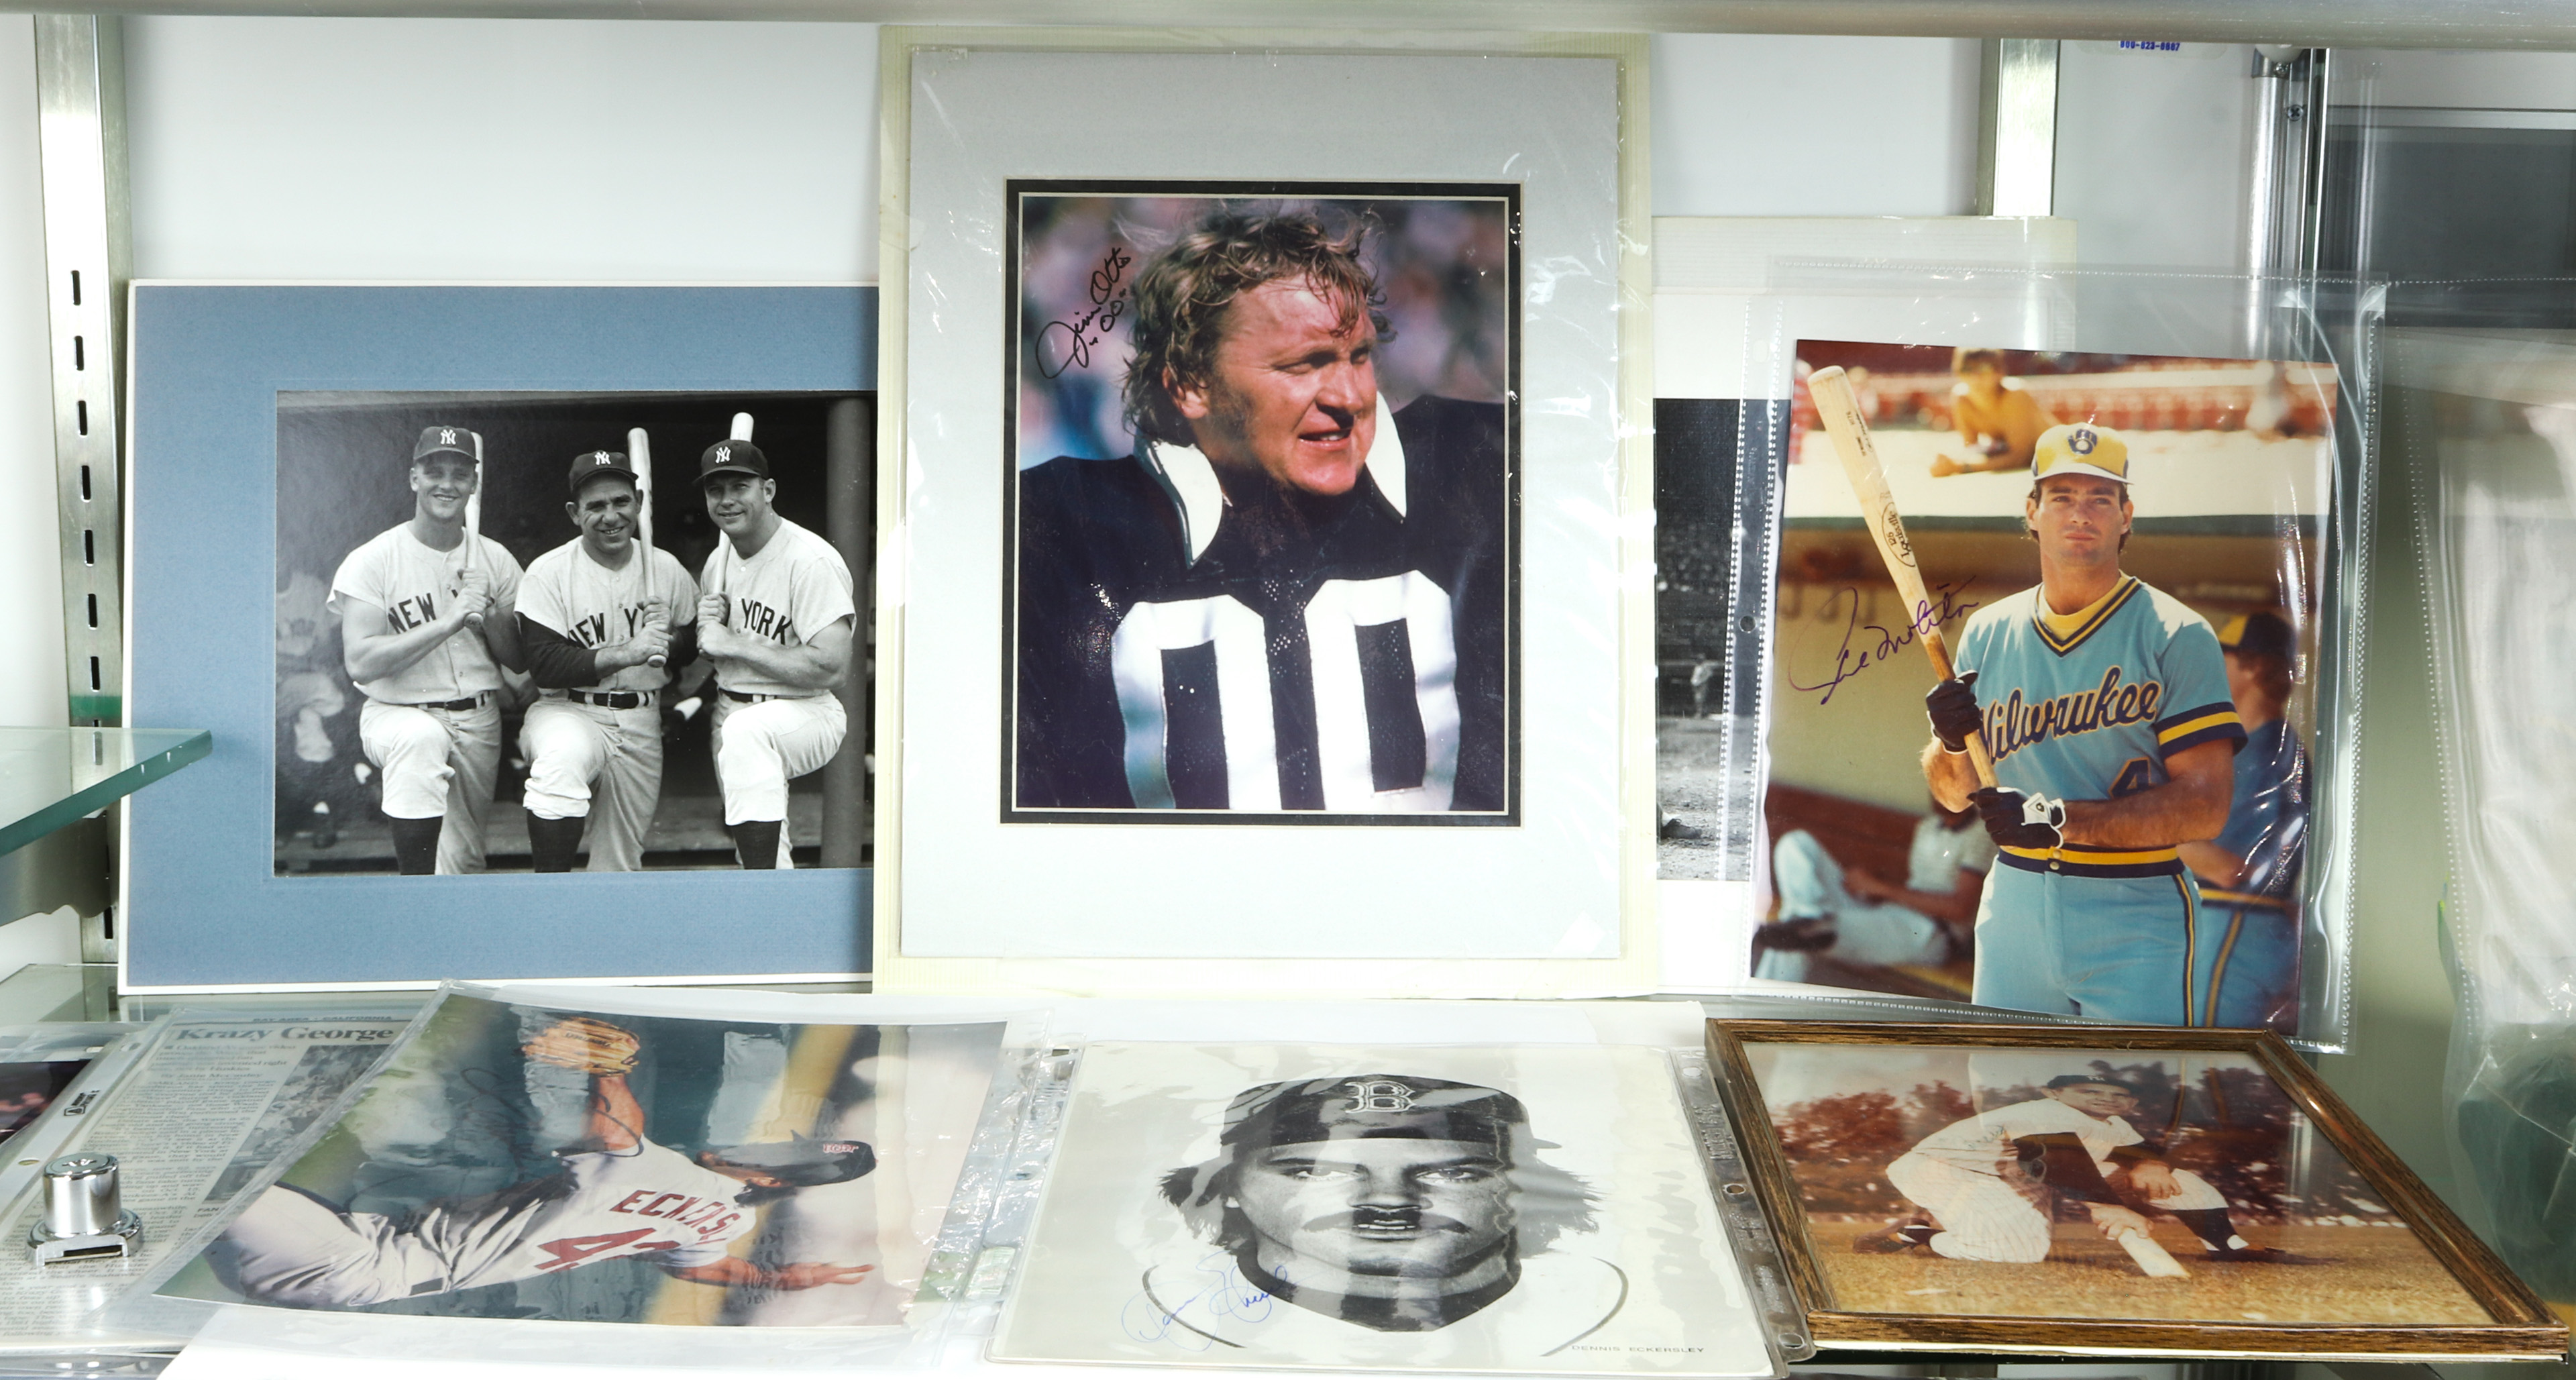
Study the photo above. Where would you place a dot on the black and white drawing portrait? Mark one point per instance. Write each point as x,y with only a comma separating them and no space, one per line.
1262,525
1526,1208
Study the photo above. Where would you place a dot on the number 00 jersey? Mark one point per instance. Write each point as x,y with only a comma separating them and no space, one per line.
2089,705
1165,663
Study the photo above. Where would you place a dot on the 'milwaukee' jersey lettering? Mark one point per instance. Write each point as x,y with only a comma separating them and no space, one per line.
1165,662
2090,706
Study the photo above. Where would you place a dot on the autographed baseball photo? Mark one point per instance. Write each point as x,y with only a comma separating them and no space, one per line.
2072,772
528,1162
547,632
2193,1186
1262,523
1514,1209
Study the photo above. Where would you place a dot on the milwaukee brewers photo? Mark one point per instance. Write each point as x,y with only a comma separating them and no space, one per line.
523,633
2078,579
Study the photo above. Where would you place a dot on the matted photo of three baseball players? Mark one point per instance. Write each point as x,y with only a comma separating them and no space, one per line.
526,1161
1506,1209
546,632
2106,808
2132,1187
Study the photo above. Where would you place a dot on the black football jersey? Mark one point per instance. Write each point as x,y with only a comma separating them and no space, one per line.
1365,670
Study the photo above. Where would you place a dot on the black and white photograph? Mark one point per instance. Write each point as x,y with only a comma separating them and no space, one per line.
1263,513
1517,1209
533,1162
556,632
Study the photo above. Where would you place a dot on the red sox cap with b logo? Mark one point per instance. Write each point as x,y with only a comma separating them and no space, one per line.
1372,1106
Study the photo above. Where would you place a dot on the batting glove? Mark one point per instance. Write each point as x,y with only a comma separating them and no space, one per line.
2017,819
1953,708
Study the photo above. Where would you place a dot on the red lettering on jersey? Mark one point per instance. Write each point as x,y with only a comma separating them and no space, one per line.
627,1203
654,1208
573,1250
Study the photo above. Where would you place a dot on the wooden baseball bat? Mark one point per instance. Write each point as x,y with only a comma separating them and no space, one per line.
2151,1257
1832,393
639,453
724,545
474,523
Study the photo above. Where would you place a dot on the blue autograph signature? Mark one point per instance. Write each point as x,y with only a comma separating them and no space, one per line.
1944,607
1200,1300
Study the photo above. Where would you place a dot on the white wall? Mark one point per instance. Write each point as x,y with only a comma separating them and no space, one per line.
31,587
1740,119
2152,152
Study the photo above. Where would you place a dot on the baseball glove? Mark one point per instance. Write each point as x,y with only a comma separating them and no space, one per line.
580,1042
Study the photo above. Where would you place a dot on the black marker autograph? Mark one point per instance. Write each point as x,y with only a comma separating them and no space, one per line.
1108,303
1945,607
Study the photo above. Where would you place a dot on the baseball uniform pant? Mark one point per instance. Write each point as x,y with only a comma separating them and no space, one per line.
437,762
1984,1218
1810,883
761,747
292,1248
588,761
2253,966
2112,948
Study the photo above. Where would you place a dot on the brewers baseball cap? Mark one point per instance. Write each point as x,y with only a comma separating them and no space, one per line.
2080,448
455,440
2261,633
733,457
2069,1080
590,465
1369,1107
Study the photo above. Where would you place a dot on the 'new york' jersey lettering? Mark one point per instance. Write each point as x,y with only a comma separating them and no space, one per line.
1199,683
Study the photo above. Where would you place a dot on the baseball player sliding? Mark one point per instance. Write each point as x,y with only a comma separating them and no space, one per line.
2075,1141
426,623
596,616
778,621
2104,703
618,1195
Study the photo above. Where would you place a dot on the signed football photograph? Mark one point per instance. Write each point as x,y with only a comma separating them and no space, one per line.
1514,1209
1262,514
2103,810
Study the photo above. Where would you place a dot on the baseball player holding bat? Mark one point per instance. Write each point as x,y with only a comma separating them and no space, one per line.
596,616
415,639
2103,705
616,1196
2075,1140
778,620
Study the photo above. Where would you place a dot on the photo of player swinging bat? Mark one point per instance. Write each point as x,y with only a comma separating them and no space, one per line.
639,453
1840,411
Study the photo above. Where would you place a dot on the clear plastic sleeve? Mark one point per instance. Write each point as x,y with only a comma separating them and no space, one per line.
603,1177
1135,620
2484,422
2245,406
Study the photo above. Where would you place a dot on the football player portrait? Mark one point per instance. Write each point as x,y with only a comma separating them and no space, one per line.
1263,537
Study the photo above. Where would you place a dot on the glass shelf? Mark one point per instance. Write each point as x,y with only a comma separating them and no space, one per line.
52,776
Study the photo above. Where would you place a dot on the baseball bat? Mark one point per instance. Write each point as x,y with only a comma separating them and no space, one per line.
724,545
639,453
2152,1258
474,523
1840,411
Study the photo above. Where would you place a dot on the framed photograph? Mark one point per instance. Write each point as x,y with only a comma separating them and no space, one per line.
2101,1188
1516,1209
541,1164
1295,533
2154,663
566,586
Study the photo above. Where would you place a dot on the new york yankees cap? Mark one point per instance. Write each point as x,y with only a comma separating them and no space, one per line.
1372,1106
591,464
455,440
733,457
2080,448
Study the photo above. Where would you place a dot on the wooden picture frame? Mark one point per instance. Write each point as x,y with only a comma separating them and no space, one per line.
2517,1323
